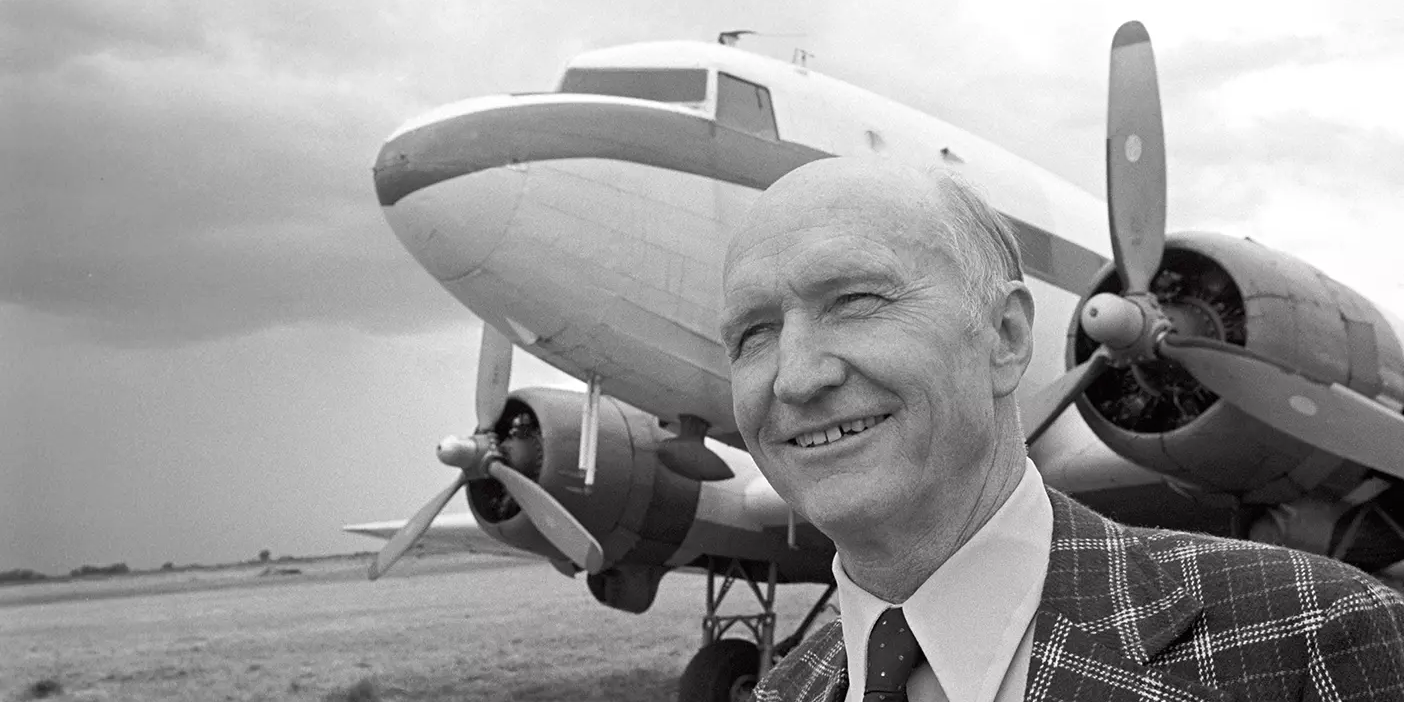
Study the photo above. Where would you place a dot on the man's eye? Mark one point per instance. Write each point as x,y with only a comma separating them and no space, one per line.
748,338
859,300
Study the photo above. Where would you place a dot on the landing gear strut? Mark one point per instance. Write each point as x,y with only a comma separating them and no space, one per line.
726,670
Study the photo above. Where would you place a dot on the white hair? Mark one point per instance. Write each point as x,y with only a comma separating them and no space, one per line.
981,242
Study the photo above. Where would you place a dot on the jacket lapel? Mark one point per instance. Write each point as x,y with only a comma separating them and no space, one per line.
1108,609
817,671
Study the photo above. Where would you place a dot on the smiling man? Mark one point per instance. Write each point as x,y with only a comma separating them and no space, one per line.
878,324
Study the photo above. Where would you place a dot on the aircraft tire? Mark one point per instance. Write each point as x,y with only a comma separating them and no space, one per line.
723,671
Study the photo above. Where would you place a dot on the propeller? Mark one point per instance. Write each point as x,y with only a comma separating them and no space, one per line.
551,518
405,538
494,372
1135,159
1329,416
477,458
1132,328
1048,403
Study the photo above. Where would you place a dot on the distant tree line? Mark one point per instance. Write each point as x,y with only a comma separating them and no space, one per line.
25,575
21,575
114,569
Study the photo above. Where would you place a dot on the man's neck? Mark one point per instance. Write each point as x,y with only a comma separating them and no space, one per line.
892,563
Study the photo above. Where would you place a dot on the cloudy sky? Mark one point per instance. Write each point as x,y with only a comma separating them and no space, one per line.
210,342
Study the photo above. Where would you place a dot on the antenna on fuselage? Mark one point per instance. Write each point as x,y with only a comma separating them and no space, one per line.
800,57
730,38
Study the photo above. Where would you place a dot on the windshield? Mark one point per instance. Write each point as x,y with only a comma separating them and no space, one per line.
658,84
745,107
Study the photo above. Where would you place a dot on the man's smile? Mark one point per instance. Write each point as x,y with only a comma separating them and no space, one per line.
837,432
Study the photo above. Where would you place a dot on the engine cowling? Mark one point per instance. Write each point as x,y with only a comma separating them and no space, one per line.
639,511
1238,291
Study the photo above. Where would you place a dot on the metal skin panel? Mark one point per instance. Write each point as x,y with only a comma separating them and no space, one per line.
663,505
1292,315
1226,451
581,314
1373,343
809,562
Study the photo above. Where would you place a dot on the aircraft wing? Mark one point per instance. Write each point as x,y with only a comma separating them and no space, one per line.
448,533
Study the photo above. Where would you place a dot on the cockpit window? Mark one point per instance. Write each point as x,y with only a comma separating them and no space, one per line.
658,84
745,107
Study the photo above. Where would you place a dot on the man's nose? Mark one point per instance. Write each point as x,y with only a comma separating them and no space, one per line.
806,367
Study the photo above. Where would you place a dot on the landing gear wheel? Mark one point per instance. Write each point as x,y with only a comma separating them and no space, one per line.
722,671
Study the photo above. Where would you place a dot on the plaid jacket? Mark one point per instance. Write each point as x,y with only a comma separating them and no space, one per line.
1146,614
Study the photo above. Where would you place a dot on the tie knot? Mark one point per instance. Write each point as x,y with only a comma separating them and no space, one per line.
893,654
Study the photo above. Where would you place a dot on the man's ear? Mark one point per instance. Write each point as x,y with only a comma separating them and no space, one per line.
1013,349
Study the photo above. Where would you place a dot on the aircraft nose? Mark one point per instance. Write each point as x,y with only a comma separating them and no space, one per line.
445,194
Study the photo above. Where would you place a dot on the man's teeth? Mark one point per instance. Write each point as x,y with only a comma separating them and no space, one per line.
834,433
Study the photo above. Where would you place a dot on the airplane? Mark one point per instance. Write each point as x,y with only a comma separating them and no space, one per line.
1220,386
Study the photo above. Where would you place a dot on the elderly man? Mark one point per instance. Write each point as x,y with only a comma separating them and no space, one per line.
878,325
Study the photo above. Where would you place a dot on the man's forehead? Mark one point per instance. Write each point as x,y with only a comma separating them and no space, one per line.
872,187
811,256
839,197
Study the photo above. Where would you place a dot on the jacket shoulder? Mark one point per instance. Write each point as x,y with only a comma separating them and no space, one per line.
1225,572
1320,622
809,671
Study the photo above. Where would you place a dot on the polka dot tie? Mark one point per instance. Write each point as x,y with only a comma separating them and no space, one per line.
893,654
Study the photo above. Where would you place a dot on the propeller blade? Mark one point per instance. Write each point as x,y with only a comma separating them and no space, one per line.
1135,159
551,518
408,534
689,458
1329,416
494,371
1048,403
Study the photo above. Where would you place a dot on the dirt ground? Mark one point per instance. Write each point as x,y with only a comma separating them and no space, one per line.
445,627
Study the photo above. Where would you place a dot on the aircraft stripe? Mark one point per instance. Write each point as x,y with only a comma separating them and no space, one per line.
622,131
1055,260
650,135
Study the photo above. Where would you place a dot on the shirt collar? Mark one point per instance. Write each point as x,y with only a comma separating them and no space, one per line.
971,614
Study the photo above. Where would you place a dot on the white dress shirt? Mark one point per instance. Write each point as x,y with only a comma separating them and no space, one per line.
974,617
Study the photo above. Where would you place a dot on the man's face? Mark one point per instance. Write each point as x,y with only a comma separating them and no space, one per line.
858,383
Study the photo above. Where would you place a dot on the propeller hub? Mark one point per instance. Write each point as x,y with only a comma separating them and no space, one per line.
1113,320
469,454
1129,327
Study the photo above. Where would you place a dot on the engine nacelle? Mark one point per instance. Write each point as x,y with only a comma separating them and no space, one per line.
1238,291
638,510
1364,535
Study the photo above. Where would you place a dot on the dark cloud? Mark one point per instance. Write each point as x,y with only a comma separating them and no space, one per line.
181,171
170,185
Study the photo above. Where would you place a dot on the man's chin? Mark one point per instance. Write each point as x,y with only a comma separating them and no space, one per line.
837,513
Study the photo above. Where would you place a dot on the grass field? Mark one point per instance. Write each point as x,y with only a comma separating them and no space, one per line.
437,628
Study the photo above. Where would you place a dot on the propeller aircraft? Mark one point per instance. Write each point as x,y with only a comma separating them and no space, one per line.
1220,385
